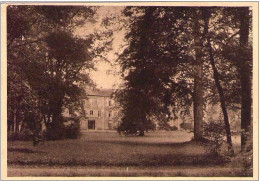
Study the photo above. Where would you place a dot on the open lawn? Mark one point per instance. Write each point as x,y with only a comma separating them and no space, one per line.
109,154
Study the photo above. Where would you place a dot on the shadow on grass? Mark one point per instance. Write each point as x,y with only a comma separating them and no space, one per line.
144,143
23,150
138,160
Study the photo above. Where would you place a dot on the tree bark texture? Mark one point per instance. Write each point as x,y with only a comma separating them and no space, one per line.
246,79
198,102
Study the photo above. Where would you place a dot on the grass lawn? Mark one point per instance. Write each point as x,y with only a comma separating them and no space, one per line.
109,154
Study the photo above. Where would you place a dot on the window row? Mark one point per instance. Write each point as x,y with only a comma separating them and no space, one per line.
110,113
99,102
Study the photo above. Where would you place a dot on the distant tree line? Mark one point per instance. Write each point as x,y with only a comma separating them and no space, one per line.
178,57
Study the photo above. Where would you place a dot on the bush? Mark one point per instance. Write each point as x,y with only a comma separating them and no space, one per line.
67,128
165,126
173,128
55,133
216,146
245,161
121,129
25,135
73,130
187,126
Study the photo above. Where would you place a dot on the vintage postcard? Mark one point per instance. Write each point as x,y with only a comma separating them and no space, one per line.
129,91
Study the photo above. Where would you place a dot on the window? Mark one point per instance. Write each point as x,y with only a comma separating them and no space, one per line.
109,114
91,124
99,113
91,112
109,103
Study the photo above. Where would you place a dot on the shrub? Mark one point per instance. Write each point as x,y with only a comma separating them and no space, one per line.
25,135
245,161
56,133
68,128
72,131
216,146
121,129
187,126
173,128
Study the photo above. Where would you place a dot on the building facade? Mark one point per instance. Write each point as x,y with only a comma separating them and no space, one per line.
101,112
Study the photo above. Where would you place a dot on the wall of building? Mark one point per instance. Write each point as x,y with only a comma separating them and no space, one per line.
101,109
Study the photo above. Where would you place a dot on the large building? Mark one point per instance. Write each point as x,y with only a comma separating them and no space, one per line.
101,111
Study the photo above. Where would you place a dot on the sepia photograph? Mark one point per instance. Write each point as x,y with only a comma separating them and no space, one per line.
129,91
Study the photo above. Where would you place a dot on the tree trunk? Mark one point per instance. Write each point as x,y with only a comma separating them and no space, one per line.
17,119
244,66
56,124
141,133
207,15
56,114
142,125
198,84
11,121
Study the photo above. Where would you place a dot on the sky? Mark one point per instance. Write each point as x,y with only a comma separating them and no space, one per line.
106,73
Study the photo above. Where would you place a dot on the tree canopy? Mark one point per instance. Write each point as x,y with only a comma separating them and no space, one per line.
48,60
178,57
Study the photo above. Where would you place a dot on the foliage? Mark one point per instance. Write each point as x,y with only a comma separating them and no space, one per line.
46,61
55,134
159,64
186,126
215,145
173,128
149,64
73,130
25,135
245,161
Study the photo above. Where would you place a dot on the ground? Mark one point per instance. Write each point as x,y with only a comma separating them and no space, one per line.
109,154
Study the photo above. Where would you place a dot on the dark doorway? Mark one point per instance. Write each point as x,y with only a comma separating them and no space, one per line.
91,124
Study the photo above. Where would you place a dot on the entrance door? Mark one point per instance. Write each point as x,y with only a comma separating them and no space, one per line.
91,124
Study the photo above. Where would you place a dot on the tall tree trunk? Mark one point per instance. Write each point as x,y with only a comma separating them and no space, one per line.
12,117
17,119
207,14
245,78
56,111
198,101
141,133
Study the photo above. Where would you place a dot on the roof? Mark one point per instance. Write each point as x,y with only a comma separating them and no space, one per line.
99,92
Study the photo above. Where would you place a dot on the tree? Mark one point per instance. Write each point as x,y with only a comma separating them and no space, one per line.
50,56
21,98
170,59
245,71
207,15
150,65
238,50
136,107
198,99
66,57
